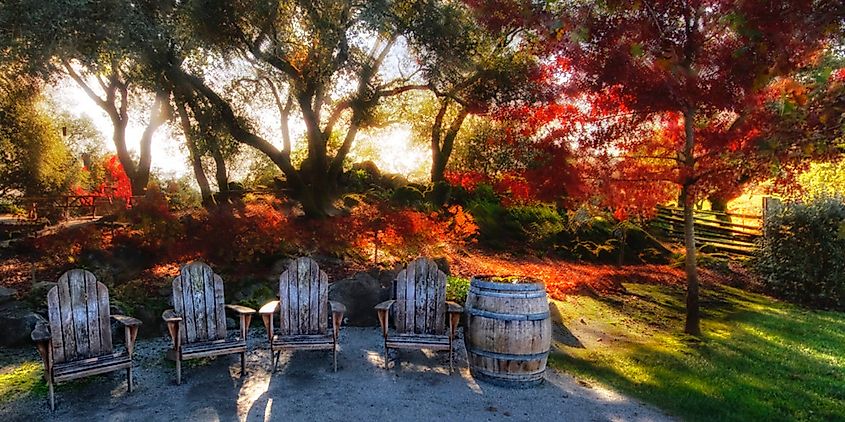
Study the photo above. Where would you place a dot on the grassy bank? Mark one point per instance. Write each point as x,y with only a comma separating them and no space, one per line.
759,359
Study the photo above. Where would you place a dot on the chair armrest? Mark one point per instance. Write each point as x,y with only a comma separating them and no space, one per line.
41,333
337,307
269,308
170,316
452,308
245,313
384,306
383,315
127,321
173,319
267,312
42,338
240,309
130,326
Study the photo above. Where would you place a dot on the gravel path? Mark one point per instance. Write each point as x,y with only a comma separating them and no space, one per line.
305,388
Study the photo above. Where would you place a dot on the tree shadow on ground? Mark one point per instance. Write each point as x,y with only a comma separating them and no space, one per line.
758,359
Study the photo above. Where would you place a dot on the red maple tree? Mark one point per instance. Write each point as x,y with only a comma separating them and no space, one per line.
676,88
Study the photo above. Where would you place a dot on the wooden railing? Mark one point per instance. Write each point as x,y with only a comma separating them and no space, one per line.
66,207
724,232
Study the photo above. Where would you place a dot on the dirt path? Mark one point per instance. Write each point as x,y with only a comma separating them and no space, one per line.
305,388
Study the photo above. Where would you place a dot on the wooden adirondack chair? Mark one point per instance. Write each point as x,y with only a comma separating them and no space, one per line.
197,324
303,311
77,341
420,311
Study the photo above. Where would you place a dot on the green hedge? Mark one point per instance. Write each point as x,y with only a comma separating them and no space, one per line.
801,256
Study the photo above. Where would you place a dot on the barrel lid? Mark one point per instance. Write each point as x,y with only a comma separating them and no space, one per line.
488,282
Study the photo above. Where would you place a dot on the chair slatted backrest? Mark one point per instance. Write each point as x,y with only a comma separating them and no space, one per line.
420,306
198,299
303,299
80,325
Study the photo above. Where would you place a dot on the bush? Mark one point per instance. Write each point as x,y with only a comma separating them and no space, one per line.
534,225
800,256
457,289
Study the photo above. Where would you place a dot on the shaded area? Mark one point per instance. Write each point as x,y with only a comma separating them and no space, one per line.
759,359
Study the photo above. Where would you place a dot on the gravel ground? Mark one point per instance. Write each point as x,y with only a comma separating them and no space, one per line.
418,388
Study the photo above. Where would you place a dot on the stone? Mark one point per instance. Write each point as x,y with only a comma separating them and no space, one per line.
279,266
16,324
7,294
43,286
442,264
359,293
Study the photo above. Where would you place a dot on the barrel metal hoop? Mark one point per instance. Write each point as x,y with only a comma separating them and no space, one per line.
506,376
495,355
507,286
509,317
513,295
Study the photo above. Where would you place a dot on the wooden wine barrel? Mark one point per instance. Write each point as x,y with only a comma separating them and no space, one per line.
508,332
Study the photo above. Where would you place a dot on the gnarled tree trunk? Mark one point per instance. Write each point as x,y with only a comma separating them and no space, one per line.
196,158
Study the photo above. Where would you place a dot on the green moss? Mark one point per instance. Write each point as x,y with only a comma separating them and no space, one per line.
759,359
21,380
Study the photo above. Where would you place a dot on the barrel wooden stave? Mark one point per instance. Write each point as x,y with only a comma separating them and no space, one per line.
508,334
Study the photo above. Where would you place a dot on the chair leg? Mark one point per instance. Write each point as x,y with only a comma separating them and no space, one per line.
243,363
178,371
334,352
52,395
385,356
451,366
129,379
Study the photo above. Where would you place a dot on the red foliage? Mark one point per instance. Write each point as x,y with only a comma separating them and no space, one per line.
261,229
114,184
244,235
838,75
468,180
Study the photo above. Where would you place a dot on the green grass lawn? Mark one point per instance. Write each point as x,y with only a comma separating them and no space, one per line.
759,359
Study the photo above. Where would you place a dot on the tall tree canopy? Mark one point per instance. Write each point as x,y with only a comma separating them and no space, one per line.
677,89
689,75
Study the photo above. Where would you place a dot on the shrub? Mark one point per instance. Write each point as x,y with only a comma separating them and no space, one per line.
457,289
245,235
155,230
534,225
800,256
408,196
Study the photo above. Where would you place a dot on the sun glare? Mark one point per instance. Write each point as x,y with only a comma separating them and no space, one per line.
394,151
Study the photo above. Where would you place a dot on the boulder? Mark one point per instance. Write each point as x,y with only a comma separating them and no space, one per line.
360,293
16,324
442,264
7,294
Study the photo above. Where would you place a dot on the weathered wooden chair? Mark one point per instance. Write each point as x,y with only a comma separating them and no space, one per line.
303,311
77,341
197,324
419,311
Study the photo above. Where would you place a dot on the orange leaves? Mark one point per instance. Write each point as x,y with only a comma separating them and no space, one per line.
563,278
260,229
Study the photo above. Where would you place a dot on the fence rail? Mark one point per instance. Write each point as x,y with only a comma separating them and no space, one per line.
723,232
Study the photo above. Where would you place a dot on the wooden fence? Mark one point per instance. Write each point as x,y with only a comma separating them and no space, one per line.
723,232
68,207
